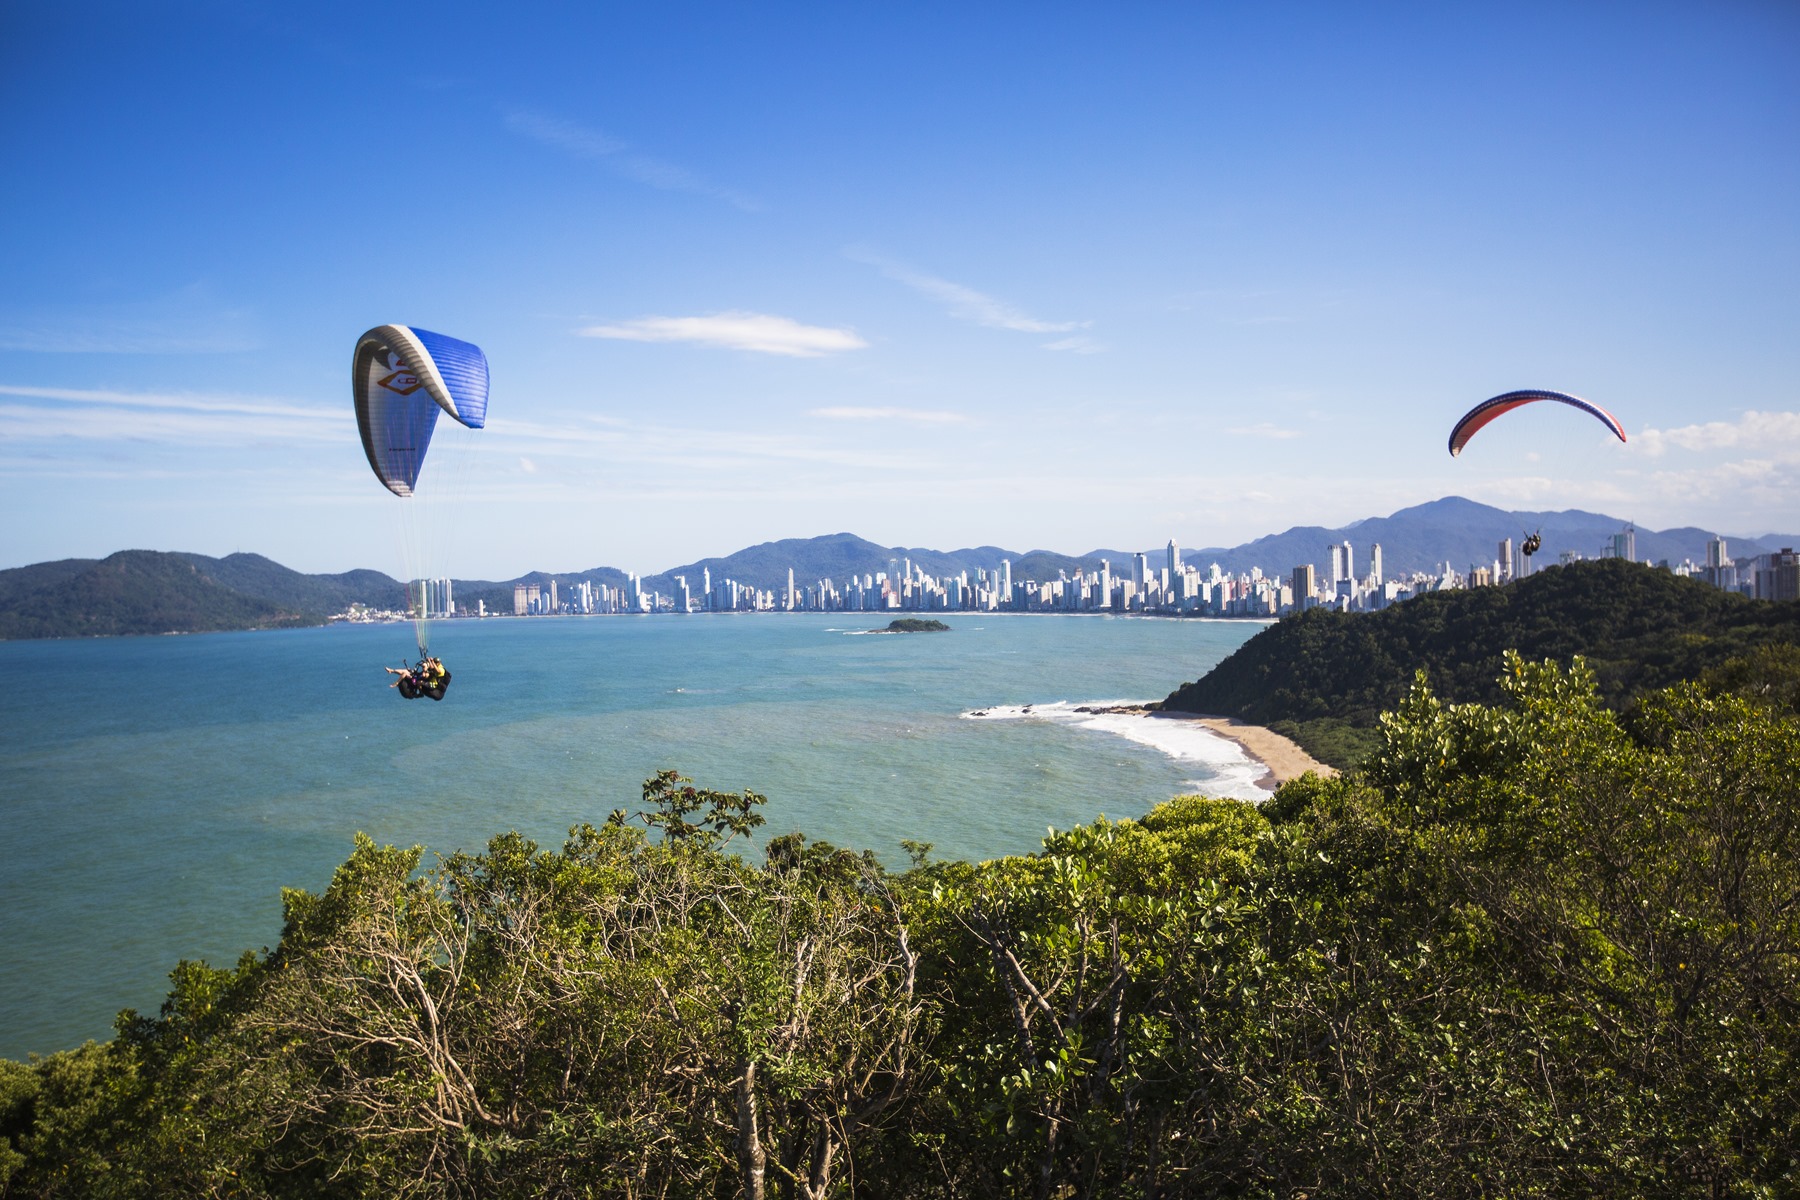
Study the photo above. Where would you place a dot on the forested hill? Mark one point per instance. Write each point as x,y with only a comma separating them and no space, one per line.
1323,677
149,591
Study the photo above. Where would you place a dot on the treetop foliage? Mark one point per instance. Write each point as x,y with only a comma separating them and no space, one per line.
1533,947
1325,677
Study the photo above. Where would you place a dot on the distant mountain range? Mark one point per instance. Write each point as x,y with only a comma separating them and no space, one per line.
1422,538
146,591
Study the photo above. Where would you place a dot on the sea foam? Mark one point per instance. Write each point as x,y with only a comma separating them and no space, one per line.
1222,767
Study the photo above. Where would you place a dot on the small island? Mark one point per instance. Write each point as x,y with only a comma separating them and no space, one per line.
914,625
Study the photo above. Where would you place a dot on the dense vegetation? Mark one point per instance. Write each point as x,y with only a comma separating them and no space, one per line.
133,591
1325,677
1534,948
916,625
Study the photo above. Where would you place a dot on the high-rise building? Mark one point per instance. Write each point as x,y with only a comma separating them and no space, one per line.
1624,544
1140,570
1717,555
1303,586
1778,576
1340,570
1376,578
1174,563
1508,565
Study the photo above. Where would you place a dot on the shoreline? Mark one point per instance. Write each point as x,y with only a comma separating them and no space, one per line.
1280,757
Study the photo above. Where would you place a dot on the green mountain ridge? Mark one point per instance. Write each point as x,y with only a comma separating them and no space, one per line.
45,599
132,592
1323,677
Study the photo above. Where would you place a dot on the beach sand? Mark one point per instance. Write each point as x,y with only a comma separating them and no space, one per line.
1281,756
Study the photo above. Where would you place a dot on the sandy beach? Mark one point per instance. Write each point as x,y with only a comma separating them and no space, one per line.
1281,756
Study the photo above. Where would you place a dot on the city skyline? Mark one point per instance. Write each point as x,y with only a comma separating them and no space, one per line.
1038,277
1172,589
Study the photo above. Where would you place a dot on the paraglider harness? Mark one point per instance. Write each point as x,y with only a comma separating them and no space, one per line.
416,682
1532,545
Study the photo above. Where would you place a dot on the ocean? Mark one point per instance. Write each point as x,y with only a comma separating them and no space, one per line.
159,792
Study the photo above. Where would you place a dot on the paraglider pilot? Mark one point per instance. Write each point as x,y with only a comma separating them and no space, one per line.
429,678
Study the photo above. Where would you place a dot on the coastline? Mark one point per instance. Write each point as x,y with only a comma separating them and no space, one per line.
1280,757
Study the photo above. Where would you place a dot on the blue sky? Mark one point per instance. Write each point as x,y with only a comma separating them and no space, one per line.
1035,275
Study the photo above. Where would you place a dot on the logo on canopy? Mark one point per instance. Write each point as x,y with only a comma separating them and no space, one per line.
401,383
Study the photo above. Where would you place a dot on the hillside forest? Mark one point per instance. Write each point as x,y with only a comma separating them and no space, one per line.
1324,677
1534,946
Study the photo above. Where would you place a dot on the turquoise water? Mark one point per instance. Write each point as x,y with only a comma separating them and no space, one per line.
159,792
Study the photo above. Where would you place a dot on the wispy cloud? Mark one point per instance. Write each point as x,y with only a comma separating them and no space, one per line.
1079,344
189,401
618,157
758,332
923,416
176,419
977,308
187,321
651,448
1758,429
1264,429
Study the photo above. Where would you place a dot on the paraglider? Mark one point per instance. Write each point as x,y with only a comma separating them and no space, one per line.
401,377
1478,417
429,678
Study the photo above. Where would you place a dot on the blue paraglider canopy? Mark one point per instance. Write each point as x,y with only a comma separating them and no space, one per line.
401,377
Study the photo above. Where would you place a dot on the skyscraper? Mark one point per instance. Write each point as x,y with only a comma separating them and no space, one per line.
1376,578
1339,570
1303,585
1624,543
1508,566
1174,560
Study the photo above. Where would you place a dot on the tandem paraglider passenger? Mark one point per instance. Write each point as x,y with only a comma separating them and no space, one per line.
429,678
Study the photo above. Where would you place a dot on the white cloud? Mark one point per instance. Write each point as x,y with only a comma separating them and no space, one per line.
193,402
759,332
1265,429
188,321
563,135
1079,344
1758,429
618,157
977,308
920,415
176,418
